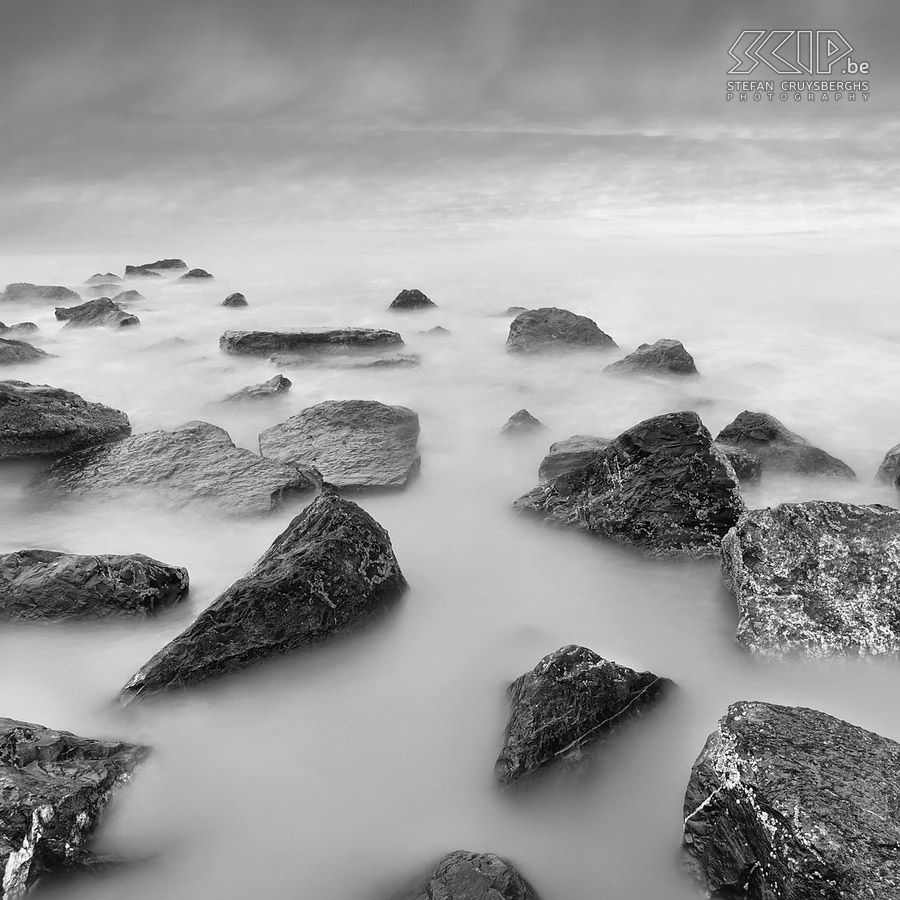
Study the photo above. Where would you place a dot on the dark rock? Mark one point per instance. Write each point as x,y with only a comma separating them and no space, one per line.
138,272
816,578
570,700
33,292
355,444
235,300
195,273
271,388
54,787
551,329
412,299
661,486
351,361
665,357
889,470
108,278
437,331
44,584
787,802
161,264
96,313
522,423
103,290
570,454
463,875
18,329
746,466
129,297
780,450
12,352
331,568
42,421
309,341
195,463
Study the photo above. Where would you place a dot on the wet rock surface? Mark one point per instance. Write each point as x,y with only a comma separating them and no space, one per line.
22,290
412,299
12,352
746,466
552,329
310,341
570,700
102,313
522,423
790,802
572,453
274,387
235,300
463,875
665,357
331,568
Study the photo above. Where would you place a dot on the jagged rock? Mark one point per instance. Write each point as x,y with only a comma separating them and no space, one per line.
522,423
309,341
463,875
108,278
787,802
138,272
103,290
746,466
37,420
355,444
889,470
665,357
437,331
661,486
570,700
96,313
352,361
235,300
331,568
54,787
128,297
550,329
271,388
44,584
195,463
412,299
12,352
18,329
195,273
24,291
780,450
816,578
161,264
572,453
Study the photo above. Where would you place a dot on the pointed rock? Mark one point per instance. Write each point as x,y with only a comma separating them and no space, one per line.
194,274
522,423
412,299
552,329
271,388
463,875
665,357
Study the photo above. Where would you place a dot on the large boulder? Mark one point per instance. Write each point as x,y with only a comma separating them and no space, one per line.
551,329
37,292
96,313
522,424
44,584
332,567
787,802
816,578
355,444
308,341
235,300
463,875
195,463
570,454
780,450
661,486
274,387
54,787
665,357
568,702
37,420
412,299
13,352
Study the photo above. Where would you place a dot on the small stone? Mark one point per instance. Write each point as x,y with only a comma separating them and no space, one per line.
412,299
665,357
274,387
235,300
23,291
522,423
194,274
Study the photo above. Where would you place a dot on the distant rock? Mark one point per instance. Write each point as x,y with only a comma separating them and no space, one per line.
44,584
661,486
194,274
42,421
572,453
889,470
97,313
463,875
515,310
103,290
271,388
38,292
14,352
780,450
138,272
163,264
551,329
570,700
308,341
129,297
19,328
412,299
331,568
235,300
787,802
665,357
437,331
108,278
349,361
195,463
355,444
522,423
746,466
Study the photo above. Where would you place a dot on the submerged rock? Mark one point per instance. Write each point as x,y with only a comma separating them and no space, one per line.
195,463
18,329
271,388
412,299
572,453
37,420
522,423
661,486
44,584
195,273
54,787
138,272
24,291
463,875
309,341
96,313
665,357
571,699
129,297
355,444
816,578
787,802
235,300
108,278
549,329
349,361
103,290
12,352
332,567
437,331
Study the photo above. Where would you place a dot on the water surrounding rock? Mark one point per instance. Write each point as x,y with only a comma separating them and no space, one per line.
108,278
36,292
463,875
131,296
13,352
54,787
522,423
551,329
346,361
308,341
18,329
780,450
195,463
235,300
138,272
889,470
746,466
45,584
37,420
195,273
331,568
412,299
569,701
97,313
787,802
103,290
570,454
355,444
661,486
665,357
271,388
437,331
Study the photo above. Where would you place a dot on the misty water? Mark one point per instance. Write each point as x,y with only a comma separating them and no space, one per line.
344,771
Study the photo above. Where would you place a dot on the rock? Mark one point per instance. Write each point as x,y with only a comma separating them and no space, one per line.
551,329
103,290
787,802
161,264
137,272
570,700
889,470
20,328
108,278
310,341
780,450
195,463
331,568
816,578
353,361
96,313
54,787
522,423
41,421
462,875
35,292
44,584
129,297
661,486
412,299
355,444
271,388
235,300
13,352
572,453
515,310
746,466
195,273
437,331
665,357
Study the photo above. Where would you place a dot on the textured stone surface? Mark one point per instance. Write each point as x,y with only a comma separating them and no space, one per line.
96,313
889,470
164,264
235,300
12,352
552,329
44,584
54,787
661,486
195,463
522,423
355,444
463,875
37,420
665,357
816,578
787,802
138,272
746,466
22,290
572,453
412,299
570,700
272,388
332,567
309,341
195,274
